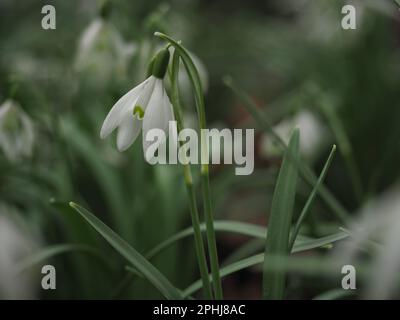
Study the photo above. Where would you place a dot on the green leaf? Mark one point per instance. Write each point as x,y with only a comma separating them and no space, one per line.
345,146
334,294
308,265
138,261
311,198
222,225
246,229
277,242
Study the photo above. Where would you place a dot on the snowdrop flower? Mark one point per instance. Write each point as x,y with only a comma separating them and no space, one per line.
312,133
16,131
145,107
378,229
100,44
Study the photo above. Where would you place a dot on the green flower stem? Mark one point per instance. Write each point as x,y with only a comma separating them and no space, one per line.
200,251
198,94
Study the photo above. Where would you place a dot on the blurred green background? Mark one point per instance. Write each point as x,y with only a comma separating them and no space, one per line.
292,57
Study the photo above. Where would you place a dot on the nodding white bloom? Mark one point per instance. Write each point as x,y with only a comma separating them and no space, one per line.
102,48
146,107
16,131
378,229
312,131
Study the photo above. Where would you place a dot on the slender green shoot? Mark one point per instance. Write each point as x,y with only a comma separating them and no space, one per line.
151,273
311,198
280,219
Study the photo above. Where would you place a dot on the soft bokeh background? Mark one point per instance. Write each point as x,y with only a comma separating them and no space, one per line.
291,56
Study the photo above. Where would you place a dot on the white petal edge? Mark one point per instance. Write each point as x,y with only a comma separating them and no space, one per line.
147,93
128,131
119,110
154,116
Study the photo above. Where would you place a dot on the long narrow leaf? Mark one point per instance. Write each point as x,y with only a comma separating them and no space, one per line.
246,229
307,265
138,261
311,198
277,242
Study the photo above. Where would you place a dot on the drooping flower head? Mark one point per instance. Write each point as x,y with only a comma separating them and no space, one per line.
145,107
102,49
16,131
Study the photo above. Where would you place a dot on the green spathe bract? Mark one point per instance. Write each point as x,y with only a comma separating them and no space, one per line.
160,64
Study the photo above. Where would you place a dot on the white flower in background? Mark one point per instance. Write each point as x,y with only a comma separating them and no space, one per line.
146,107
16,131
312,132
378,230
102,48
15,245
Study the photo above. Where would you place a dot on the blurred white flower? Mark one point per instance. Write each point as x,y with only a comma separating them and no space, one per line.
16,131
378,229
102,48
15,245
146,106
311,130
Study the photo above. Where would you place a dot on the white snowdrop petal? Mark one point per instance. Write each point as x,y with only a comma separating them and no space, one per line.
147,92
154,115
119,110
128,131
168,111
169,116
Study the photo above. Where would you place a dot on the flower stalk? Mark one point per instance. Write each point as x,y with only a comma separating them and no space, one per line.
199,99
200,251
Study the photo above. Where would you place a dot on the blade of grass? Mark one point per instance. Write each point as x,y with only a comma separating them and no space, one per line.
222,225
280,219
245,229
300,245
334,294
311,198
345,147
151,273
305,171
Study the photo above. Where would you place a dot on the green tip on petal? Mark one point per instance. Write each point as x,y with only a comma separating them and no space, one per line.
139,112
160,63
